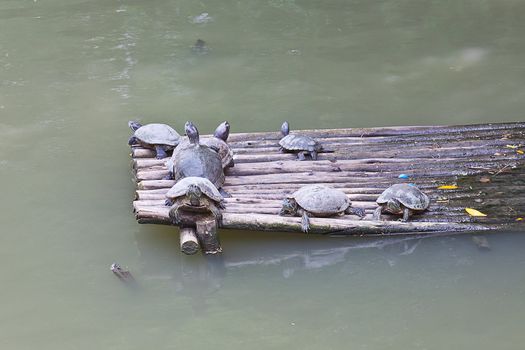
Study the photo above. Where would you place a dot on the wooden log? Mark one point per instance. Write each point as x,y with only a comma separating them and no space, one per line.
371,166
206,230
383,131
189,243
336,226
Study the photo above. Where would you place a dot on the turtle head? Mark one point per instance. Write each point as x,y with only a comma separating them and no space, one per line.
194,194
223,131
133,140
192,132
285,128
133,125
289,207
394,206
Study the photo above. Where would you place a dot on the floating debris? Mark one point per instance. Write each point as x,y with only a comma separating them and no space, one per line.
122,274
403,176
511,146
474,212
448,187
202,18
294,52
519,219
520,151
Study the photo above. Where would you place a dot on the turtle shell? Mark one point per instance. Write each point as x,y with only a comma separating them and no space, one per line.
410,196
293,142
321,200
197,160
205,185
225,152
158,134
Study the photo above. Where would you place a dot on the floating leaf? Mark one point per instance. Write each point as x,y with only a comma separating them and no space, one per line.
447,187
511,146
403,176
520,151
474,212
519,219
497,154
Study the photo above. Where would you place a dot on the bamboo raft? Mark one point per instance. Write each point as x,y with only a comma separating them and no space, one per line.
485,162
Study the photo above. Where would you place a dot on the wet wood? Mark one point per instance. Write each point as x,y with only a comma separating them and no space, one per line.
206,230
362,163
189,244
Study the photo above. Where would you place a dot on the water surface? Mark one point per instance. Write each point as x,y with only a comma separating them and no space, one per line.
72,73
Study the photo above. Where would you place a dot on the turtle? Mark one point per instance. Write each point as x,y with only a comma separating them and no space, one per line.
218,143
196,194
320,201
160,137
300,144
192,158
401,199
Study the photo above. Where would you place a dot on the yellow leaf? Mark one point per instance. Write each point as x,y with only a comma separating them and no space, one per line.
520,151
474,212
447,187
519,219
511,146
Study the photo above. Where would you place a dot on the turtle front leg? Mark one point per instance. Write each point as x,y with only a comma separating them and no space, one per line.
313,154
406,214
161,152
168,202
300,156
356,211
305,221
174,214
377,213
170,176
216,212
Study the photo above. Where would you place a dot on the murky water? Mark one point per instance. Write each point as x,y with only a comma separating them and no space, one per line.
72,73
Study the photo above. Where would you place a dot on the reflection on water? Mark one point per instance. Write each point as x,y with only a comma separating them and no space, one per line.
74,72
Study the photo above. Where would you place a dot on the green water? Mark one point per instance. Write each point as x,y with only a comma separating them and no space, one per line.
72,73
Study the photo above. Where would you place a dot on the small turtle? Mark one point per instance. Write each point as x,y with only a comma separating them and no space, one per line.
401,199
196,194
160,137
218,143
318,200
192,158
300,144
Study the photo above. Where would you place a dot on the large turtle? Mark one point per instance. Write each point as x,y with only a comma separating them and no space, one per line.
218,143
300,144
195,194
195,159
318,200
160,137
401,199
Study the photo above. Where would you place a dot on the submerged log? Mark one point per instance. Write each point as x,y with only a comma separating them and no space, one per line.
362,163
